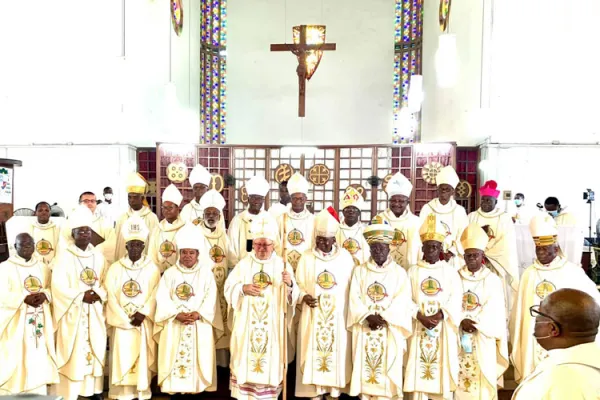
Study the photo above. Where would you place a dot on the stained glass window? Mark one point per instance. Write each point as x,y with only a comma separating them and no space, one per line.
408,51
213,68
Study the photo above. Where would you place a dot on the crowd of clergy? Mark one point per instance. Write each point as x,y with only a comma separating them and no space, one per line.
425,307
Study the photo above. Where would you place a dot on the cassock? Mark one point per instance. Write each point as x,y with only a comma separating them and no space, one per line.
501,252
186,353
351,237
80,327
257,348
27,347
378,355
571,373
193,211
163,245
323,355
406,246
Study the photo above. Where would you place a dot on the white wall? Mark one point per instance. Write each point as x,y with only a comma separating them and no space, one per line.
348,100
64,79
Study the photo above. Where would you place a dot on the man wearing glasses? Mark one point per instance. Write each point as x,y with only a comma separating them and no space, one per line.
549,272
566,326
101,226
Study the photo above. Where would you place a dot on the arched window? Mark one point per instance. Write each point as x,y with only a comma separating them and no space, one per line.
213,68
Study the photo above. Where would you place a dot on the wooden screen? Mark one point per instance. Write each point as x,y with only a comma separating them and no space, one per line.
424,154
248,162
467,159
399,159
322,196
170,154
356,166
146,166
276,158
218,161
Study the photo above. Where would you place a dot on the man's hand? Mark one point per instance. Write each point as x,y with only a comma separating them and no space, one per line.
183,317
31,300
251,290
468,326
287,278
310,301
90,297
194,316
431,321
448,255
137,319
376,322
486,229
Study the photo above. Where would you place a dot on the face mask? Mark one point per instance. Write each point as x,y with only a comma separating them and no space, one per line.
518,202
108,196
554,214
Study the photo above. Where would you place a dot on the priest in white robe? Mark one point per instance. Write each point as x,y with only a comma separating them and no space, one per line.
483,354
323,356
137,187
450,214
566,327
501,253
45,233
217,254
131,286
163,246
200,179
78,299
284,203
551,271
379,316
100,226
560,214
406,246
187,323
350,234
239,228
432,367
27,347
262,294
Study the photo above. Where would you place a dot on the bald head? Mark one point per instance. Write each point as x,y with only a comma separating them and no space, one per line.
24,245
576,311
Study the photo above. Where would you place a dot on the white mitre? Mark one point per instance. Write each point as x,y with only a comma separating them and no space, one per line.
448,176
297,184
212,199
257,186
135,229
172,195
201,175
399,185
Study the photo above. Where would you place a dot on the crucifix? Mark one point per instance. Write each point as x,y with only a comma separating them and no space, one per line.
309,44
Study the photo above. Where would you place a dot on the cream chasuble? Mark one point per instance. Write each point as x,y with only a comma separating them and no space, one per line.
432,368
131,287
149,218
80,327
501,251
323,356
378,355
565,218
47,240
299,235
219,255
351,238
406,246
104,228
276,210
192,212
454,218
482,366
26,333
567,374
537,282
163,247
257,348
186,353
239,231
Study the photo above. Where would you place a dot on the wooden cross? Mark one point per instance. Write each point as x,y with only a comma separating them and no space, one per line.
300,50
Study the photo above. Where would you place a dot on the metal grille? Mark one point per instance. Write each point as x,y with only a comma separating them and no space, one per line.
276,158
356,166
321,197
248,162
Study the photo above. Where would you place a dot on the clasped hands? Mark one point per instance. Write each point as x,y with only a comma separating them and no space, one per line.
468,326
432,321
90,297
188,318
35,299
376,321
252,289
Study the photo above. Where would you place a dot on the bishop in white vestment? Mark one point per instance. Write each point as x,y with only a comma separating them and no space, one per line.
483,355
262,295
239,229
27,347
78,299
137,188
200,179
131,286
100,226
501,252
323,355
163,247
551,271
187,321
406,246
432,367
450,214
350,233
379,316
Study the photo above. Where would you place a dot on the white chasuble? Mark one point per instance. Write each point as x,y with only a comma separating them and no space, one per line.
501,252
454,219
239,231
351,238
151,221
131,288
537,282
323,355
26,333
192,212
378,355
186,353
105,229
257,326
299,230
483,364
406,246
80,327
47,239
432,368
163,248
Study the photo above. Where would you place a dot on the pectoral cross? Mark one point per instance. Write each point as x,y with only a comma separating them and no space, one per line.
304,50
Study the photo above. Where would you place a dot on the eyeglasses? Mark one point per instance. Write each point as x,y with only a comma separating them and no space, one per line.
534,311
